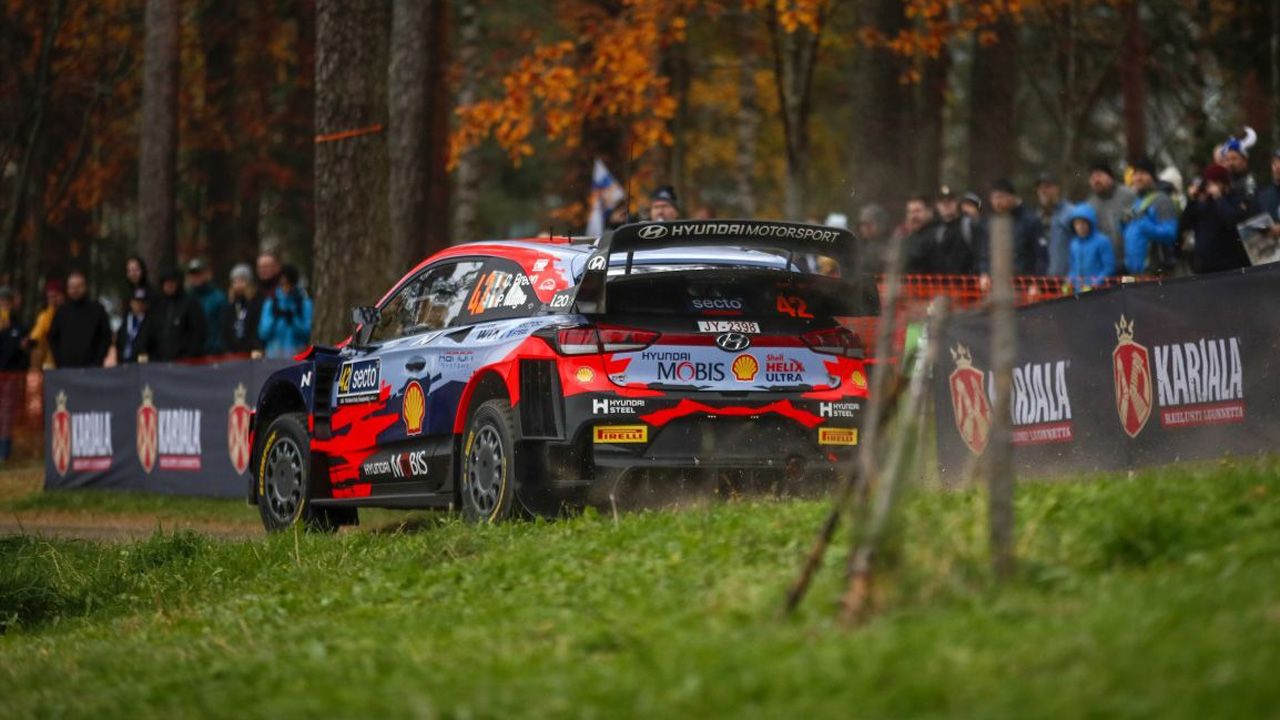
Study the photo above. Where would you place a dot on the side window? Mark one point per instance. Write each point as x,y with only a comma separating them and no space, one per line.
430,301
503,291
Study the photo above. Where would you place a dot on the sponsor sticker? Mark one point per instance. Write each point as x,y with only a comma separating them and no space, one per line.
717,304
584,374
727,326
396,466
745,367
621,434
616,406
81,440
359,381
837,436
859,380
167,437
415,408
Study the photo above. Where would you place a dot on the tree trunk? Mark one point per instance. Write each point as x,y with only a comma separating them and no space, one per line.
1133,81
219,31
440,109
350,245
747,129
794,55
158,151
1000,482
408,136
992,121
930,101
466,186
876,137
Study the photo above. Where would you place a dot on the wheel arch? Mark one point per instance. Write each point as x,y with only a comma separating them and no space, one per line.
278,398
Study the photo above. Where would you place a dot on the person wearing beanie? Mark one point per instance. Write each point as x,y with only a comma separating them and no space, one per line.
179,319
1111,201
1234,156
1151,226
240,321
1214,209
212,302
136,340
663,206
54,297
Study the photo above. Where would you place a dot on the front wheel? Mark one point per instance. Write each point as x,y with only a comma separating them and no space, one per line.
489,462
284,478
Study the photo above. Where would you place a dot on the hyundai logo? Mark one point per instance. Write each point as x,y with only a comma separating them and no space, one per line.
733,342
653,231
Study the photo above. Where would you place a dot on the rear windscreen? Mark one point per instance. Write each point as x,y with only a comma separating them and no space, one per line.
754,293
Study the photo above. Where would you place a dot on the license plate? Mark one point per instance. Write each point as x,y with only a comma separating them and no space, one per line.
724,326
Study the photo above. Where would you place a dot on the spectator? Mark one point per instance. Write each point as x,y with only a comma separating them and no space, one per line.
944,247
239,324
285,327
663,206
971,205
1092,259
212,302
1269,194
13,366
918,216
1110,201
80,334
179,321
1151,225
54,297
268,271
1055,226
135,271
873,239
137,340
1214,208
1235,156
1030,255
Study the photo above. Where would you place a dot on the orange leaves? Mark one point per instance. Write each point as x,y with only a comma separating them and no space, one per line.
935,23
609,75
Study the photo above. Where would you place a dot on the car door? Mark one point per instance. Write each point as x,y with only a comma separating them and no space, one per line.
411,455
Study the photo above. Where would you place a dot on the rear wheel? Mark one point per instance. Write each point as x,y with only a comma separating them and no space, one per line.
490,462
284,478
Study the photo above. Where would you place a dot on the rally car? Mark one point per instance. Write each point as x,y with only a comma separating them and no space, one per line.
508,377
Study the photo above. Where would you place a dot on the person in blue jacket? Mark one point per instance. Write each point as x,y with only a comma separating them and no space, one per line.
1092,259
1151,225
285,327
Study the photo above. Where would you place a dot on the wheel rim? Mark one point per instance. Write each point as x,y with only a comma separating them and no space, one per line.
485,468
284,481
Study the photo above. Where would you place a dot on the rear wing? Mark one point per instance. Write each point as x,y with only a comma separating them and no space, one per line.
795,238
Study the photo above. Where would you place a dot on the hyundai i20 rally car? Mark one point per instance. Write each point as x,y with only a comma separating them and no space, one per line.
513,376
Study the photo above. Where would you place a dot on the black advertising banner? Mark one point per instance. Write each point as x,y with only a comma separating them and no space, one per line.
1129,377
179,429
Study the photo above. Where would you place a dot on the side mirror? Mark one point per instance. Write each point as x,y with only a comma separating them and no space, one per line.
366,318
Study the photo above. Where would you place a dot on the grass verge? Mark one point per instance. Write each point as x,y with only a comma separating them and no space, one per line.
1147,597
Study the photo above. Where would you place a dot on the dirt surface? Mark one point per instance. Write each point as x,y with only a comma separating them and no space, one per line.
113,528
101,525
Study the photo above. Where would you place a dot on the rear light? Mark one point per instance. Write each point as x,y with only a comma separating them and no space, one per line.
834,341
588,339
619,339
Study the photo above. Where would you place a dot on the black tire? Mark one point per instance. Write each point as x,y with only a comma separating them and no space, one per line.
284,479
490,464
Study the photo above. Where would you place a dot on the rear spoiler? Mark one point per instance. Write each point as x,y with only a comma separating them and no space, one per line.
589,296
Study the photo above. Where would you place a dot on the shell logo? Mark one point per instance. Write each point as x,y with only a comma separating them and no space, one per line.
415,408
584,374
745,368
859,380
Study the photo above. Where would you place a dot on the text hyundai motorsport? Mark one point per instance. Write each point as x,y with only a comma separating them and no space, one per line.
516,376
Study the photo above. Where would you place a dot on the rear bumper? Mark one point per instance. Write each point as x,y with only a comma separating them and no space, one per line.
756,432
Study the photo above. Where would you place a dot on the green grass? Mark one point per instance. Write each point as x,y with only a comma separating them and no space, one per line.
123,502
1152,597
